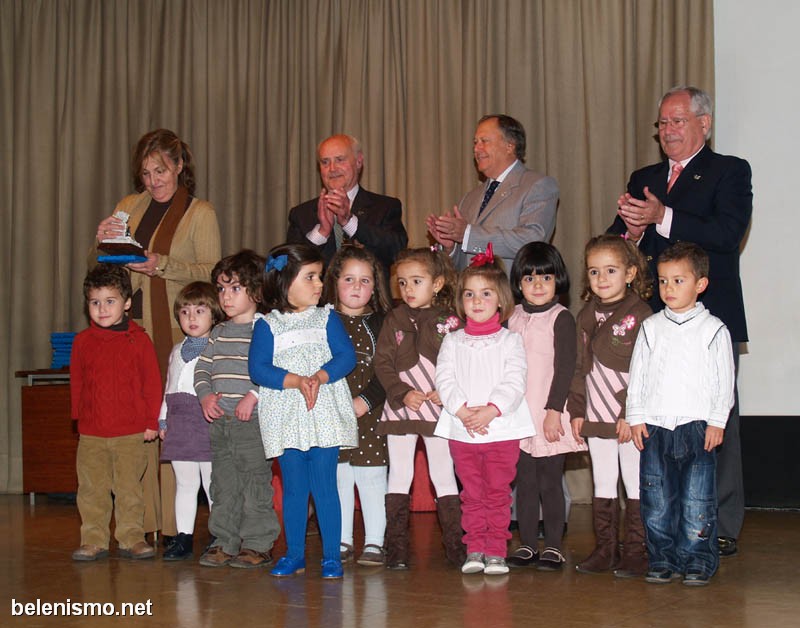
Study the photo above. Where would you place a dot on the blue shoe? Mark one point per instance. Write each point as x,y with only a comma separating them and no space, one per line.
332,569
288,567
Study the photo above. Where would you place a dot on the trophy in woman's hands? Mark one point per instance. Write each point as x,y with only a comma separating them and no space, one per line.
122,249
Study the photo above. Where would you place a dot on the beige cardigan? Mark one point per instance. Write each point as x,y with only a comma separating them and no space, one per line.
194,251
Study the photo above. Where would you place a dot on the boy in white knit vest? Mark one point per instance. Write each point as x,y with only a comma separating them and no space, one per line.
679,397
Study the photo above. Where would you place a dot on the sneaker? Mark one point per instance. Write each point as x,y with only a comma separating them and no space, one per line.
215,557
346,552
139,551
523,556
372,556
475,563
551,560
727,546
89,552
249,559
661,576
495,566
695,579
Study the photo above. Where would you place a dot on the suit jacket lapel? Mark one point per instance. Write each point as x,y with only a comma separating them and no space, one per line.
693,172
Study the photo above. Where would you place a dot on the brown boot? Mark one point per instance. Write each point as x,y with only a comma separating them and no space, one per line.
449,510
396,531
634,550
605,515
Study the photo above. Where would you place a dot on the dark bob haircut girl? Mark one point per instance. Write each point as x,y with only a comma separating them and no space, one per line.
283,265
538,258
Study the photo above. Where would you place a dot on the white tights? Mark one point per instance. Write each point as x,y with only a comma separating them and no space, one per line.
608,458
371,483
188,476
401,463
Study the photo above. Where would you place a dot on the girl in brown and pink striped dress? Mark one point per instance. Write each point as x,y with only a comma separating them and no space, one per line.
405,363
616,287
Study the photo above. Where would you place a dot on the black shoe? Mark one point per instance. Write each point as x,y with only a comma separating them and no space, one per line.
167,540
661,576
695,579
551,560
180,548
727,546
523,556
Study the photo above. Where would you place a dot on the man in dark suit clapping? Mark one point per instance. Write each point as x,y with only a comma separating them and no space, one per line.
698,196
346,212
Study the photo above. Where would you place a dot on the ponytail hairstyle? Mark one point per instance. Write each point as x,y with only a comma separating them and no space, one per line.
438,264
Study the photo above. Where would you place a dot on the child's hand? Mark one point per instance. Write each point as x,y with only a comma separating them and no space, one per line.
433,397
553,431
414,399
309,388
162,434
714,437
623,431
576,423
638,434
210,405
479,418
150,435
360,406
244,409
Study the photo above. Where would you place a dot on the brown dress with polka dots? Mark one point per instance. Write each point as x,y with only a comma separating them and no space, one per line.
363,331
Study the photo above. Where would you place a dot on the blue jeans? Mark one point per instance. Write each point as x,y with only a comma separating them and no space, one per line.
679,499
305,473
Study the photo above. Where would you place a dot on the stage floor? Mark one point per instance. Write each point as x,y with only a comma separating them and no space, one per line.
760,587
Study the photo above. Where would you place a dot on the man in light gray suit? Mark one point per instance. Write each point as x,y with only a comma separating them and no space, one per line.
513,206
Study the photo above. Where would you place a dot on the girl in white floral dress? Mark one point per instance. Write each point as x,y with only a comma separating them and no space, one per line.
299,356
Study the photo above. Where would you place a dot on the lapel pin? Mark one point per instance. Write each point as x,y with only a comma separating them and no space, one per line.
697,177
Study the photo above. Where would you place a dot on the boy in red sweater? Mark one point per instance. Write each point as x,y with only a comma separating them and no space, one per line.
115,389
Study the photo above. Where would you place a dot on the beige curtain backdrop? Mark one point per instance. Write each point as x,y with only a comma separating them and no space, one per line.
253,86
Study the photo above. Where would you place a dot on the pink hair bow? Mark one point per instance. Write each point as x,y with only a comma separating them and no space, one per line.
481,259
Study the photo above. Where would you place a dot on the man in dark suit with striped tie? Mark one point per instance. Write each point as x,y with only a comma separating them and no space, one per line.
699,196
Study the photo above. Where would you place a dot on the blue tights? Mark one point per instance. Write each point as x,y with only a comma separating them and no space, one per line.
305,473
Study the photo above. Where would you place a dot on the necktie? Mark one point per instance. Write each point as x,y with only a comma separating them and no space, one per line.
676,172
338,234
488,195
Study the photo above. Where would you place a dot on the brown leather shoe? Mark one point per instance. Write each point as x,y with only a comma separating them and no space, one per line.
249,559
139,551
215,557
89,552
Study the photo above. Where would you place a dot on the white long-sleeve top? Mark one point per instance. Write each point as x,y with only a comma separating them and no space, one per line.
180,377
682,370
476,371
